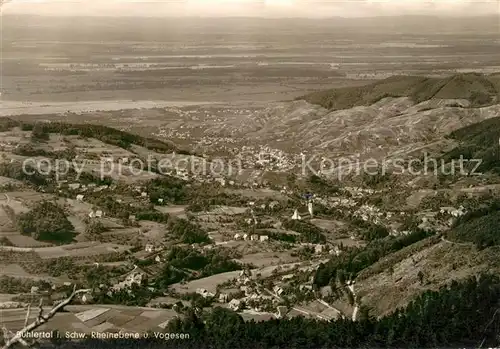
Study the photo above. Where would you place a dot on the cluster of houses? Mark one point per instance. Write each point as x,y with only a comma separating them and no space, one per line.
452,211
8,146
84,187
442,219
267,158
371,213
134,277
358,192
251,237
96,214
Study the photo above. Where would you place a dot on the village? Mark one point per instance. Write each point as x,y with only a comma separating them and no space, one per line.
188,238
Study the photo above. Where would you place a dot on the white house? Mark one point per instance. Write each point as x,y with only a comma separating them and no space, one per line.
281,311
237,236
204,293
278,290
79,197
144,194
245,236
223,297
235,304
254,237
149,248
160,201
335,250
98,213
264,238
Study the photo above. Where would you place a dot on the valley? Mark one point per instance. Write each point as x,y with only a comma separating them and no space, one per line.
241,181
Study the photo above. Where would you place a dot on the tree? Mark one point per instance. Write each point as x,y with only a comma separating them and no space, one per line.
421,276
188,232
39,133
365,313
94,229
46,221
223,323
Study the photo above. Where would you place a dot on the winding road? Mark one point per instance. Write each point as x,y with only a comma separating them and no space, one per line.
350,286
454,242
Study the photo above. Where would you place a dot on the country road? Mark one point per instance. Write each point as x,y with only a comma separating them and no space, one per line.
350,286
456,243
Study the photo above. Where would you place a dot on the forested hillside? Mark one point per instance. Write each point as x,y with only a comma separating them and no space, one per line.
479,89
461,315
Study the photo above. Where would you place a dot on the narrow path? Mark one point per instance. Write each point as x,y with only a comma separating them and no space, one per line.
454,242
350,286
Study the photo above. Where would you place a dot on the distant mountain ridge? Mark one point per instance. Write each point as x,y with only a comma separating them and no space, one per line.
478,89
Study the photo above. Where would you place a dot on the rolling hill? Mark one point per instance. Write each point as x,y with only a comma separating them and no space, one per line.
478,89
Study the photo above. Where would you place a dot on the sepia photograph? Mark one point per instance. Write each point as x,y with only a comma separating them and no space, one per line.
254,174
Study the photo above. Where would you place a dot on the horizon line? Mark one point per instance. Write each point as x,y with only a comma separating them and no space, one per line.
269,17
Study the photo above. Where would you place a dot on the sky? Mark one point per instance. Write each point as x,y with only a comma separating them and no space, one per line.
253,8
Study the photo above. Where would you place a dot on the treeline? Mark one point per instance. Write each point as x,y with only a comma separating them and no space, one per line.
189,264
187,232
479,89
321,185
7,124
478,141
479,226
14,285
113,208
170,189
103,133
462,314
135,295
347,265
46,221
279,236
29,175
370,231
309,233
198,197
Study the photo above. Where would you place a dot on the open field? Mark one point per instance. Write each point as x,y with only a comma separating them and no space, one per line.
87,319
209,283
84,249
